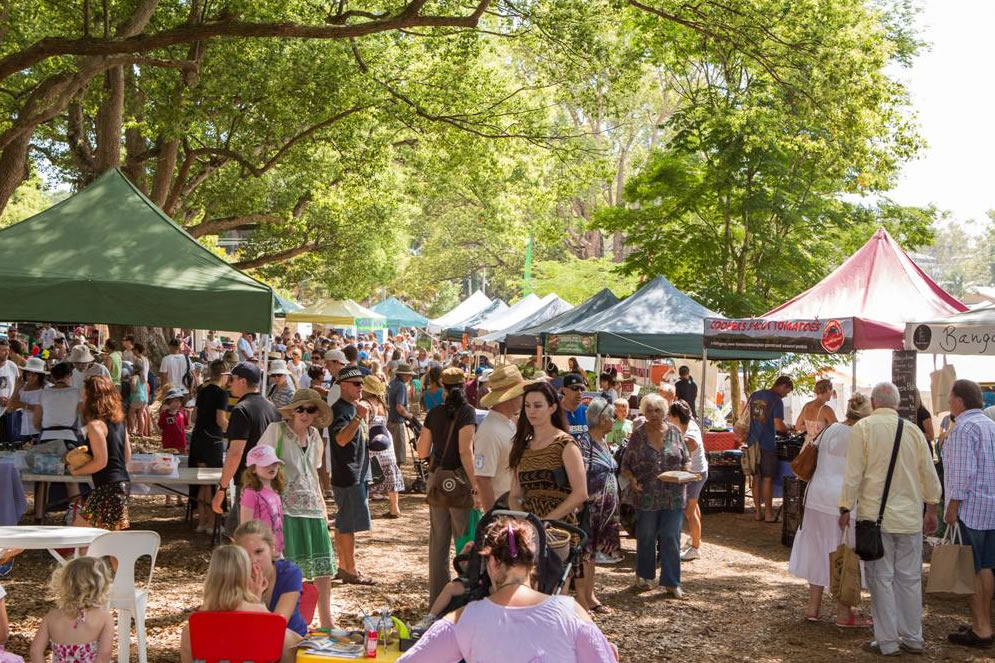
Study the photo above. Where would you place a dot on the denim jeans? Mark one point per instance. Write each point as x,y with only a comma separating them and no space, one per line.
663,526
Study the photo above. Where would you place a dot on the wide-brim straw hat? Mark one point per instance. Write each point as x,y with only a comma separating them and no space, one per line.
80,354
453,376
34,365
404,369
278,367
374,385
506,382
303,397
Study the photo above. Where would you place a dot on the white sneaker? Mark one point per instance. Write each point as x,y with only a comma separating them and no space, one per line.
675,592
601,558
690,554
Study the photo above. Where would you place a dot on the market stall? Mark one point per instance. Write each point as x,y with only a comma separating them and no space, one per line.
528,338
469,307
552,307
108,255
399,314
456,330
340,313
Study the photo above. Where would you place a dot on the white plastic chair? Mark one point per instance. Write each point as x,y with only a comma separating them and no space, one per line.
126,598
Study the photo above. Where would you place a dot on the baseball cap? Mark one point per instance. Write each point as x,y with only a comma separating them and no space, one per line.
350,373
247,371
336,355
261,455
574,379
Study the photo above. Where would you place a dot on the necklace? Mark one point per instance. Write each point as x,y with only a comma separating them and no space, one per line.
510,583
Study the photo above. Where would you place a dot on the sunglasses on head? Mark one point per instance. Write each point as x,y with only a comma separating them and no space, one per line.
309,409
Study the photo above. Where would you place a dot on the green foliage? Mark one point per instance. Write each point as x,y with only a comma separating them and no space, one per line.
29,199
578,280
961,255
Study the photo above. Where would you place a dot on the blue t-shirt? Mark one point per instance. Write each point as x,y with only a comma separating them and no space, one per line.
288,579
577,421
765,406
397,394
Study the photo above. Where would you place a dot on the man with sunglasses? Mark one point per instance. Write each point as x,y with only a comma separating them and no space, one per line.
350,467
335,361
570,395
246,424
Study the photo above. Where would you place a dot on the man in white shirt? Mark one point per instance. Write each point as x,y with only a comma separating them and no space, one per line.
8,375
493,439
212,348
46,336
175,366
246,348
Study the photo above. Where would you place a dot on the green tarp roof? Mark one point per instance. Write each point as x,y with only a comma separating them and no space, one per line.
282,306
525,340
109,255
399,314
658,320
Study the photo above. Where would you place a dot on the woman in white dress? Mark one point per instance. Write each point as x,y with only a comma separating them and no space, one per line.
819,533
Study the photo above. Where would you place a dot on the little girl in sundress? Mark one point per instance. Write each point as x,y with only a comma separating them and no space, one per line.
80,629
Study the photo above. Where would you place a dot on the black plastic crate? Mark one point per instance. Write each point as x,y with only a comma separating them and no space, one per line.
725,474
793,509
718,497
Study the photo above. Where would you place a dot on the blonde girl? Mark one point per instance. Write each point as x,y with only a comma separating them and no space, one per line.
233,584
80,628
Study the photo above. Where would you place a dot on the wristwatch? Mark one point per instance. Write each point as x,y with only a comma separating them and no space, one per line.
843,510
223,488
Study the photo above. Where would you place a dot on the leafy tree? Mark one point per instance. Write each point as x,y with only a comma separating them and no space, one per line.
577,280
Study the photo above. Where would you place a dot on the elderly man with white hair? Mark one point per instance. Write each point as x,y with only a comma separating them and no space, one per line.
882,445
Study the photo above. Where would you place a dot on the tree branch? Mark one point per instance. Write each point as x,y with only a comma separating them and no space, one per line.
225,223
277,256
130,40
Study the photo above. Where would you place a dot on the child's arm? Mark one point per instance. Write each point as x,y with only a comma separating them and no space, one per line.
106,640
4,623
40,643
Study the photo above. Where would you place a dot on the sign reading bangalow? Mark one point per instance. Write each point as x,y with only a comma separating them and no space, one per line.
831,336
951,339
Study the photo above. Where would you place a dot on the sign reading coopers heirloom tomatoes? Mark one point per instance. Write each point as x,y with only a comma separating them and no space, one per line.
831,336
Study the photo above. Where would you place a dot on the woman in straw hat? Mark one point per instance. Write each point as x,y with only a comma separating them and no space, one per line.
305,518
27,396
382,444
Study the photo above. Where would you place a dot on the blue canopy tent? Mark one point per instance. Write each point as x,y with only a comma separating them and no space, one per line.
399,315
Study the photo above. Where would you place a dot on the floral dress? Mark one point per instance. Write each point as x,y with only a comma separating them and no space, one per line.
84,653
393,480
602,496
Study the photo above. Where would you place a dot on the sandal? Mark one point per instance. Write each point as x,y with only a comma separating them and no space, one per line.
969,638
856,621
812,618
600,609
357,579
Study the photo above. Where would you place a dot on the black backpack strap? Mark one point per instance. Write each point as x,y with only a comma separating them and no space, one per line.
891,470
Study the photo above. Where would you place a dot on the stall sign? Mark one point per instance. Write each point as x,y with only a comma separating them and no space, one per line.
571,344
490,347
951,339
830,336
903,376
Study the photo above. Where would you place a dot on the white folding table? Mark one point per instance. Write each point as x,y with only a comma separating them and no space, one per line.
50,538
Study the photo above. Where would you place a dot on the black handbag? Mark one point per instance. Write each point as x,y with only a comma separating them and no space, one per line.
869,546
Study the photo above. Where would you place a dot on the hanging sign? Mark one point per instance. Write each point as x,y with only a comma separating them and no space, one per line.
572,344
831,336
951,339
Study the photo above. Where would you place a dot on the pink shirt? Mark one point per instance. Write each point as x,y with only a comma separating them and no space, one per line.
549,632
267,507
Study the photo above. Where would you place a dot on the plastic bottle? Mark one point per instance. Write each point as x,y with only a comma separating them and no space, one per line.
371,643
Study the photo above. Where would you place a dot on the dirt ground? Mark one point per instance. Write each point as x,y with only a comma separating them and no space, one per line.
740,605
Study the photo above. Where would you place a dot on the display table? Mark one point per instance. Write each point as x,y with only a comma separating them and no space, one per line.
723,441
40,537
12,501
389,656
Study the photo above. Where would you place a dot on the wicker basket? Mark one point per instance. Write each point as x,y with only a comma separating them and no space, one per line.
558,541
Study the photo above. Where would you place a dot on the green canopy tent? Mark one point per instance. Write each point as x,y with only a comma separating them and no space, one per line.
282,306
109,255
399,315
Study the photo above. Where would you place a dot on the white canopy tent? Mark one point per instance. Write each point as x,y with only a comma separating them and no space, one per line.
520,310
468,308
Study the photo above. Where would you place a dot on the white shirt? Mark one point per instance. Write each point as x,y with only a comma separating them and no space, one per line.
93,370
299,369
58,408
212,349
491,446
8,376
32,397
989,412
175,367
699,461
47,337
246,350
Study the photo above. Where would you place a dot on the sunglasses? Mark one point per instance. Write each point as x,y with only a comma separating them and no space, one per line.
576,388
353,383
309,409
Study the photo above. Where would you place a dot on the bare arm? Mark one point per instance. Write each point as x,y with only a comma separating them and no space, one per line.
574,464
928,430
221,417
424,447
40,643
36,415
466,453
485,488
4,623
235,450
106,641
186,654
515,495
779,425
286,603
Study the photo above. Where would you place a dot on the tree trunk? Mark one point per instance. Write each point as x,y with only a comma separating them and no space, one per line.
110,121
155,340
594,244
735,392
13,167
165,166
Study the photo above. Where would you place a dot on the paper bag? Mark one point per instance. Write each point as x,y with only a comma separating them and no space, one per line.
951,571
844,574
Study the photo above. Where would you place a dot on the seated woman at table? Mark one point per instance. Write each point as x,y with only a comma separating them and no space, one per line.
283,582
515,623
107,437
231,585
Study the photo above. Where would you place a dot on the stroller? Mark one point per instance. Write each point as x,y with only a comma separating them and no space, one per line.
420,484
552,572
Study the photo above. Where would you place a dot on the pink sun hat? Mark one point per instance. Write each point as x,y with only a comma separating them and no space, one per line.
261,455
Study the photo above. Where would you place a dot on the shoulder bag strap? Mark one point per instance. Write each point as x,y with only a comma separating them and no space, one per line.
279,441
891,469
436,461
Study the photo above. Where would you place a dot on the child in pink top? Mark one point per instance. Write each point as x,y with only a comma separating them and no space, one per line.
262,483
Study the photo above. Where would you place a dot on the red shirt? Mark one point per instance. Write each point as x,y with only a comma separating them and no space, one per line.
174,429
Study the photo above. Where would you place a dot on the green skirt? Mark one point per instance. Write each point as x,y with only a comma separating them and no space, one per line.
306,543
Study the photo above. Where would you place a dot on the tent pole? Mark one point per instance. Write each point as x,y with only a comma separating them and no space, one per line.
701,388
853,382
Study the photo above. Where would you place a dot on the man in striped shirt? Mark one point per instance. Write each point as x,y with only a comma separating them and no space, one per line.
969,478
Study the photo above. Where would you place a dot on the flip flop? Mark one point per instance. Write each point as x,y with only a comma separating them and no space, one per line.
856,622
812,618
358,579
601,609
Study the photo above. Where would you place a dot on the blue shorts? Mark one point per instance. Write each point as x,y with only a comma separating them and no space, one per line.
768,463
352,509
694,488
983,543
